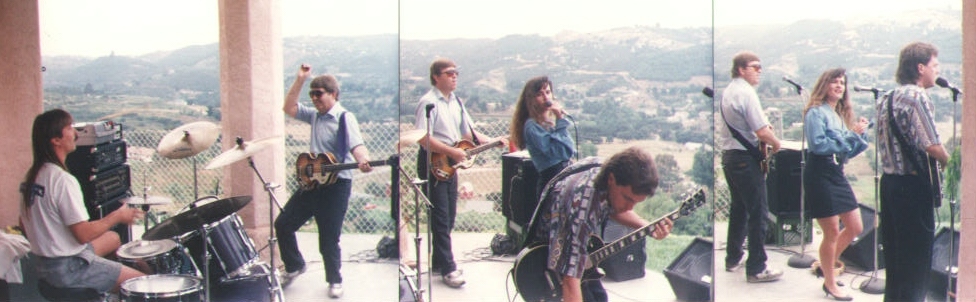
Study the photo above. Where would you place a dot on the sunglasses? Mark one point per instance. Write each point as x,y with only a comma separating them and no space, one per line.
452,72
757,67
316,93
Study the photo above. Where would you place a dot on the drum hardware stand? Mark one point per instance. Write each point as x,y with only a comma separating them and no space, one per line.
418,195
276,290
205,235
874,285
802,260
952,200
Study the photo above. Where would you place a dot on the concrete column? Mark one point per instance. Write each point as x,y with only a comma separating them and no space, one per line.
20,50
251,97
967,242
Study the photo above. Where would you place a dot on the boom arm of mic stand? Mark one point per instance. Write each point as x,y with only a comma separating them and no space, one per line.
415,185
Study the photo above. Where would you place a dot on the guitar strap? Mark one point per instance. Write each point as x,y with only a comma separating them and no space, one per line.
753,150
470,128
533,223
903,144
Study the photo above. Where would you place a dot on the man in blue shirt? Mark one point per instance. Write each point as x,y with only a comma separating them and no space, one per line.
335,131
742,112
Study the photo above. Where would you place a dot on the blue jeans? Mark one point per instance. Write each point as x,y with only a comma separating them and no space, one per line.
907,234
747,214
328,205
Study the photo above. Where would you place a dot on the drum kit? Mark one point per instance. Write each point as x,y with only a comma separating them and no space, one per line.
203,251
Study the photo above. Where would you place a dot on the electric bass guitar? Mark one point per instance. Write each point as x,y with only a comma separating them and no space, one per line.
535,282
443,167
935,180
314,170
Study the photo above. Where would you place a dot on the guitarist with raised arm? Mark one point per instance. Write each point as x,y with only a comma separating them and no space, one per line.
578,206
746,127
335,131
908,143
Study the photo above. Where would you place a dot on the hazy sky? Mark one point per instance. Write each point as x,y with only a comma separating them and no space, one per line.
98,27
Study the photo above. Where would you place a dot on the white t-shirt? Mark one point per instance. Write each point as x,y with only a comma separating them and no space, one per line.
57,203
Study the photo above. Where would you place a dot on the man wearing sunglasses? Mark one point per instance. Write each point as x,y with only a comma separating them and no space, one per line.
745,127
335,131
450,123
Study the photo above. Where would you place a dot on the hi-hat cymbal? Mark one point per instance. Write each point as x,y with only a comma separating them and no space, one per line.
148,201
241,151
195,218
188,140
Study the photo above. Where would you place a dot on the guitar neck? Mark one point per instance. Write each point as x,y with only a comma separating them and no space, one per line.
608,250
347,166
482,148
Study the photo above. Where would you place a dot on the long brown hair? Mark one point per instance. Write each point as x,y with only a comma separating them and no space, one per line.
47,126
820,91
526,108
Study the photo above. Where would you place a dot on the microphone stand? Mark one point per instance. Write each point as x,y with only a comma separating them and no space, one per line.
875,285
802,260
417,195
952,209
430,206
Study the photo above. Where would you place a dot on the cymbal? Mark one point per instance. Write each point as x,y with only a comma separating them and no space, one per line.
149,201
241,151
188,140
195,218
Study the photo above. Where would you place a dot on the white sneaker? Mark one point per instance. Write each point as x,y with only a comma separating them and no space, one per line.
287,277
455,279
335,290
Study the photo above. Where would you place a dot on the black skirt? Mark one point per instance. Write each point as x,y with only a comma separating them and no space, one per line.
826,189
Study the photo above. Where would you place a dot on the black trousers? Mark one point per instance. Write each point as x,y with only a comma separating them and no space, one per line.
907,233
328,205
443,196
747,213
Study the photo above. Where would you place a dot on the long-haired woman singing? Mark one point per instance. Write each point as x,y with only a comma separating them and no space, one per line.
540,126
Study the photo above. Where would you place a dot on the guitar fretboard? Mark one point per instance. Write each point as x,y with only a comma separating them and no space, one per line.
482,148
616,246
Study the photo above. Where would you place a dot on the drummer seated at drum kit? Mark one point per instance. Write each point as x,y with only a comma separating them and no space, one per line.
67,248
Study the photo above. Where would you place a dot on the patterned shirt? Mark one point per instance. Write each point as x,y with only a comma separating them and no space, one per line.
913,116
577,210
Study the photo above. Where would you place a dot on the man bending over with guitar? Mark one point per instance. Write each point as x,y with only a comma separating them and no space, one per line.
451,129
335,131
579,205
908,143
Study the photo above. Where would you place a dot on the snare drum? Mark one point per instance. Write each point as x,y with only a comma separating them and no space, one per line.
231,250
156,257
162,288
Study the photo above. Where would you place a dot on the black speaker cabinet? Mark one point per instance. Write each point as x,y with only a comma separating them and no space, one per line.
785,230
783,184
628,263
944,264
859,252
103,209
690,275
519,199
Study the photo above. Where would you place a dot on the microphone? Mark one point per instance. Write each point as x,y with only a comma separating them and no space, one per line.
563,112
798,86
429,108
867,89
945,84
708,92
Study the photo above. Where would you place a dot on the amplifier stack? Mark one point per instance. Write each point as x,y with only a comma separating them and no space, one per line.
99,164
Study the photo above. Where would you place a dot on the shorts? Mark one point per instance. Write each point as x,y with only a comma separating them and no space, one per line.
84,270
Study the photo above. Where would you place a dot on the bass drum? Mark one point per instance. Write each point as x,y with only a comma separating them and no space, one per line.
257,286
232,251
162,288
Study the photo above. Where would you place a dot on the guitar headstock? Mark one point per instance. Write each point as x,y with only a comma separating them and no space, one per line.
692,202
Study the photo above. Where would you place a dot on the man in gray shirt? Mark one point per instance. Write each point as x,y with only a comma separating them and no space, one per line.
742,112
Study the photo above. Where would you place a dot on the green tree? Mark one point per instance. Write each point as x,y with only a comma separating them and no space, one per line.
701,168
668,171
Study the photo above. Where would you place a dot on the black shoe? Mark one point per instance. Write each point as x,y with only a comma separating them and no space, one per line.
827,293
